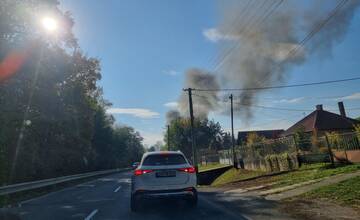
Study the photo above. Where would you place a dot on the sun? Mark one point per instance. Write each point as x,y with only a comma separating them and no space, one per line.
49,24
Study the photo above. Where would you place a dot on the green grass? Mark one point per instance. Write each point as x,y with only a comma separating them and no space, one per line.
211,166
303,174
234,175
312,172
346,192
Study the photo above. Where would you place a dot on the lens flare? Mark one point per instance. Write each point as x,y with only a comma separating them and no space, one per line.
49,24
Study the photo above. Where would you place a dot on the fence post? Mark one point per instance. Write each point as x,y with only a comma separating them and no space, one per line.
346,156
329,150
297,150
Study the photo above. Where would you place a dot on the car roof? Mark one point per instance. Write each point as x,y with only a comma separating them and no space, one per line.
162,152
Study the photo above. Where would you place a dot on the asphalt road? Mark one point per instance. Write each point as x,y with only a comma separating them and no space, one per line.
109,198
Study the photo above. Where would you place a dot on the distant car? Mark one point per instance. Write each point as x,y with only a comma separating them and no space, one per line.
163,174
135,165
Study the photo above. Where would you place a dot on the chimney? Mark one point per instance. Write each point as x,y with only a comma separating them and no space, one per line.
342,109
319,107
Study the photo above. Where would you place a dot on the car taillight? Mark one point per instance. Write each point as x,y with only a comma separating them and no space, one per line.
188,170
141,172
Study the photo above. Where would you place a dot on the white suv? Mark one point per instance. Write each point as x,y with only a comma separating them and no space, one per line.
163,174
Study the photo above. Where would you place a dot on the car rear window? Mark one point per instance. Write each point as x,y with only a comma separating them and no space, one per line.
164,159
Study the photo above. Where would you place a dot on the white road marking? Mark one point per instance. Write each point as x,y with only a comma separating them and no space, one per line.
117,189
91,214
85,185
97,200
125,180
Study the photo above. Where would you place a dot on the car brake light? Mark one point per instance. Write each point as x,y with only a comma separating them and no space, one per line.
188,170
141,172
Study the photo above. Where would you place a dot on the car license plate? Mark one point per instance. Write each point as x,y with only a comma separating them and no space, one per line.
167,173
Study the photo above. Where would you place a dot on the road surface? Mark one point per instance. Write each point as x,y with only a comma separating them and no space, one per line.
108,198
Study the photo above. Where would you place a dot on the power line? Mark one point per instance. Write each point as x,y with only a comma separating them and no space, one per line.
310,35
272,121
260,106
280,86
273,108
293,51
260,20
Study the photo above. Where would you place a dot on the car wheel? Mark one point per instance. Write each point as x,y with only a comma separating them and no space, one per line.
193,200
135,203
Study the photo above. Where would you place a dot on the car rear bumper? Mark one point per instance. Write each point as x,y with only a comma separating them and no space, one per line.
178,193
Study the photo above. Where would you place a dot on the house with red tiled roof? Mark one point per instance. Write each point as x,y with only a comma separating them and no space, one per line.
320,121
268,134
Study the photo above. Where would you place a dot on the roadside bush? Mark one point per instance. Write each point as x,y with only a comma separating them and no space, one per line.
268,164
294,163
274,163
284,163
281,162
357,130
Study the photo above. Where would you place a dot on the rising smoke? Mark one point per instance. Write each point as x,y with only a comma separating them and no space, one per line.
202,103
258,50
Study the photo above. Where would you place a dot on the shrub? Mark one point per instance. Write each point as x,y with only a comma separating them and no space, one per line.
281,162
268,164
274,163
284,163
357,130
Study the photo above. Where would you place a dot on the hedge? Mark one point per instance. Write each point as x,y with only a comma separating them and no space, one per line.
280,162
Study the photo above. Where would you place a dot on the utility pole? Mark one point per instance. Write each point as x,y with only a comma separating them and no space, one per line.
232,133
192,130
168,137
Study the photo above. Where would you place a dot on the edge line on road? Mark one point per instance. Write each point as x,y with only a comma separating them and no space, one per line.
91,214
117,189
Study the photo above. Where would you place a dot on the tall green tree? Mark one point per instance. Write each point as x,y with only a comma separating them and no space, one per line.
53,117
209,135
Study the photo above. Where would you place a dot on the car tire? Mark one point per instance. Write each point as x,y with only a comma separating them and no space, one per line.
135,203
193,200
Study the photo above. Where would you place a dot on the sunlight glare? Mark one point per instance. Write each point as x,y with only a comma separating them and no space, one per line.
49,24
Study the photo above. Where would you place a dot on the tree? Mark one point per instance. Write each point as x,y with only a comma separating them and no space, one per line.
227,143
159,145
253,138
152,149
302,139
209,135
53,86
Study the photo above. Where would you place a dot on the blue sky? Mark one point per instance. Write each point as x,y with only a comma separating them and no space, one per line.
145,47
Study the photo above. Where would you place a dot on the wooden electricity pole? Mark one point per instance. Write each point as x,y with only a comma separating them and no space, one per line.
232,133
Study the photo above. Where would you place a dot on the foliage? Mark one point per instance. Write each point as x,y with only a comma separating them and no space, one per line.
208,134
302,139
334,138
159,145
280,162
303,174
313,172
357,130
210,166
234,175
226,142
53,117
253,138
346,192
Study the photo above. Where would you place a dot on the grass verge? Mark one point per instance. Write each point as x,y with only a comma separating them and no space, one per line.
346,192
234,175
312,172
303,174
211,166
